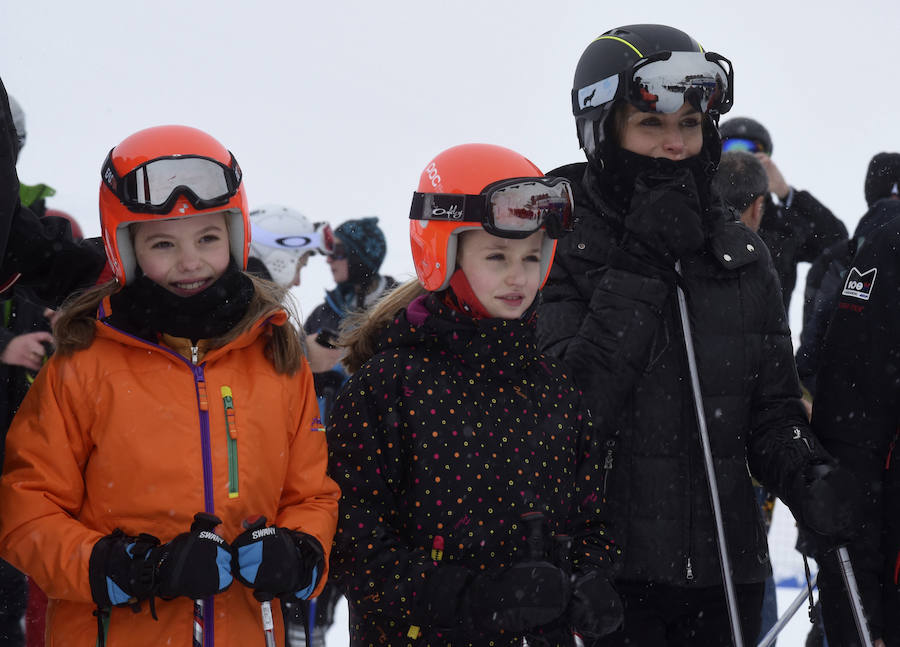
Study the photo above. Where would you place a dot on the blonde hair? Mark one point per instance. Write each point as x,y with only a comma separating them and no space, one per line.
74,328
360,329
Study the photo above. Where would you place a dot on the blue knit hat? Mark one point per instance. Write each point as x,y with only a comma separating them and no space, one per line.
364,241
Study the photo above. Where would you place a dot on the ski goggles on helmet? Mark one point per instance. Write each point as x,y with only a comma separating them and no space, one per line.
154,186
741,144
663,82
514,208
321,240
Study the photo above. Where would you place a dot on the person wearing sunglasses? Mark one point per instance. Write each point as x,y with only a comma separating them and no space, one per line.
646,101
358,251
466,458
796,228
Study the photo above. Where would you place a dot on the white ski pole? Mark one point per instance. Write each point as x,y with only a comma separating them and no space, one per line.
724,560
781,623
859,617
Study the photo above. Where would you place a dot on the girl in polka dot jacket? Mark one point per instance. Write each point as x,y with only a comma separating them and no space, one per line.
472,479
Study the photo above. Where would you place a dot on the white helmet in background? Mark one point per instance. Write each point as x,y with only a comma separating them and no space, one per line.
281,236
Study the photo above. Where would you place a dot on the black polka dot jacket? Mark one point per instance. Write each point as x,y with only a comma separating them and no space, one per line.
440,443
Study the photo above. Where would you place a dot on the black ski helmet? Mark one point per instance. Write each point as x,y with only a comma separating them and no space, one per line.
602,66
746,128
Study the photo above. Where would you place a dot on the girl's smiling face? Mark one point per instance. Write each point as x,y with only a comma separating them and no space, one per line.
504,273
183,255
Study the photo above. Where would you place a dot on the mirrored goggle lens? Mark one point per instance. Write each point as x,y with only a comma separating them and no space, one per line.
665,85
738,144
153,183
527,206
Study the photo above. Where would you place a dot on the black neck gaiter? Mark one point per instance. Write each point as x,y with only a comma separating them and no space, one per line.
146,309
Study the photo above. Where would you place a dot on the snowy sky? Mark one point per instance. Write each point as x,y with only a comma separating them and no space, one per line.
335,107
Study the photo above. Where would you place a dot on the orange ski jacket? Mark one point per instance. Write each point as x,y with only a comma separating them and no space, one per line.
132,435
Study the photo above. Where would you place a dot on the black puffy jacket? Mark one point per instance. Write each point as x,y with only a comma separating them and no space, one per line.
658,495
857,416
443,440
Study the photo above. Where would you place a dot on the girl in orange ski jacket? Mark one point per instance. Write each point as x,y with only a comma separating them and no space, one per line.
177,416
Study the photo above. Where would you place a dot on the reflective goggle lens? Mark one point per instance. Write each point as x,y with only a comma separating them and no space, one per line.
155,182
739,144
663,85
155,185
525,207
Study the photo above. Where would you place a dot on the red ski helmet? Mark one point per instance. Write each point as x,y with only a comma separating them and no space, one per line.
482,186
168,172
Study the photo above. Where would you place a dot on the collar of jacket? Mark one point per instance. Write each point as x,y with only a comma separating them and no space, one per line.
491,344
277,317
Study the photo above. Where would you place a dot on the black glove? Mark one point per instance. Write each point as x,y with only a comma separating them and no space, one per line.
524,596
125,570
276,561
596,609
664,220
828,498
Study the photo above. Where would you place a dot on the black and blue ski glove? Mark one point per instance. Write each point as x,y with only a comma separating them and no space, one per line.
125,570
275,561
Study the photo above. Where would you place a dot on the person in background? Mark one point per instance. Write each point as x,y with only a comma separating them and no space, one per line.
824,283
471,510
828,273
797,228
283,240
646,100
856,415
39,253
171,444
359,250
743,184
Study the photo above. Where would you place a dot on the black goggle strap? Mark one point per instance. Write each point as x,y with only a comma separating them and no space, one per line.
448,207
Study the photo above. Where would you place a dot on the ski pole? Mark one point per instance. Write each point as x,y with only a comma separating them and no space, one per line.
202,521
198,623
724,560
265,599
782,621
859,617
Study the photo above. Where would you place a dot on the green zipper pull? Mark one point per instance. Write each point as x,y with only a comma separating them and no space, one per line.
231,440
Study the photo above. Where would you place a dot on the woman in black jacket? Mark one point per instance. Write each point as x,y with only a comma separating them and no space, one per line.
471,480
646,100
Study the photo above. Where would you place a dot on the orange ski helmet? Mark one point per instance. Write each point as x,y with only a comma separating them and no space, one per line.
482,186
168,172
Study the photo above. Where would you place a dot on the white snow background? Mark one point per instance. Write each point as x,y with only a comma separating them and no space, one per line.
334,108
